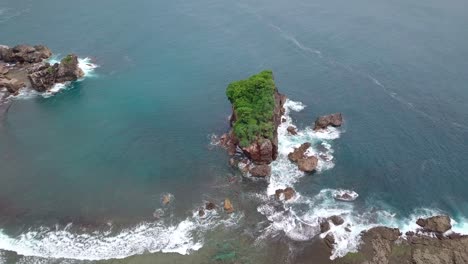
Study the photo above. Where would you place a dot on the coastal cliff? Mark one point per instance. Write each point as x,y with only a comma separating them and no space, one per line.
257,107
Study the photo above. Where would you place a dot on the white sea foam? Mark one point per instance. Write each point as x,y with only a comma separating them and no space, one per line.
145,237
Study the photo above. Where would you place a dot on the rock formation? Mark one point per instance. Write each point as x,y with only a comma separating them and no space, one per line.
228,208
262,170
256,115
286,194
291,130
385,245
328,120
26,68
438,224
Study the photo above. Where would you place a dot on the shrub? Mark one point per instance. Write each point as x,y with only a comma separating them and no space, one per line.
253,102
68,59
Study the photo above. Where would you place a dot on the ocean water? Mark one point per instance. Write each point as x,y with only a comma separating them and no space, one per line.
83,170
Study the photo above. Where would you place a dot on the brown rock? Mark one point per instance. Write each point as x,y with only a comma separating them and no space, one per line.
299,152
292,130
307,164
438,224
260,152
68,69
210,206
328,120
166,199
288,193
24,54
336,220
12,85
3,70
201,213
260,171
324,225
329,240
228,208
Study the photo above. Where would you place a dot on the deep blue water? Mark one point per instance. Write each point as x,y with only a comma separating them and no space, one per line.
107,148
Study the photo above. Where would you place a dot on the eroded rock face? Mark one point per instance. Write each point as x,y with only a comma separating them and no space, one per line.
43,76
299,152
438,224
24,54
260,152
260,171
287,193
308,164
328,120
329,240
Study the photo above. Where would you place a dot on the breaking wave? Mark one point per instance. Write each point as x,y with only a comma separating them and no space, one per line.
183,238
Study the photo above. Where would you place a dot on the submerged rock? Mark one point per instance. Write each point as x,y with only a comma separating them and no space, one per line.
201,213
438,224
228,208
260,171
328,120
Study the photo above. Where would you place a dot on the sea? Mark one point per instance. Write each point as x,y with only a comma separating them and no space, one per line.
85,169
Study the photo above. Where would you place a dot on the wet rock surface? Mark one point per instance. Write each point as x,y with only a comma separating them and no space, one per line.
323,122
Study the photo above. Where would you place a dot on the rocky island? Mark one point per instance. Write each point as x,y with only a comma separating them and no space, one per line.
257,107
25,66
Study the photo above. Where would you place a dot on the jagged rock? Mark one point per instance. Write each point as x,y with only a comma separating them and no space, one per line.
25,54
328,120
210,206
12,85
228,208
324,225
260,171
260,152
336,220
308,164
299,152
438,224
292,130
42,76
68,69
329,240
288,193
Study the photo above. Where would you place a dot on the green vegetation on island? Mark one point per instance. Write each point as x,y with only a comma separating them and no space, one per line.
68,59
253,103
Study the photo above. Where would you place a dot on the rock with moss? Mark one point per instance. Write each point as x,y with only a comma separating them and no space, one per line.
257,107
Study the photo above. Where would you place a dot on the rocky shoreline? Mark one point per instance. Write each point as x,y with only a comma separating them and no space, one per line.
25,67
433,242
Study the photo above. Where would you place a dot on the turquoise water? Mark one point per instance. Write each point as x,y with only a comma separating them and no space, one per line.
103,151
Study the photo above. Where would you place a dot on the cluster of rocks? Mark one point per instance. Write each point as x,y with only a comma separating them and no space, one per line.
304,162
25,66
386,245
